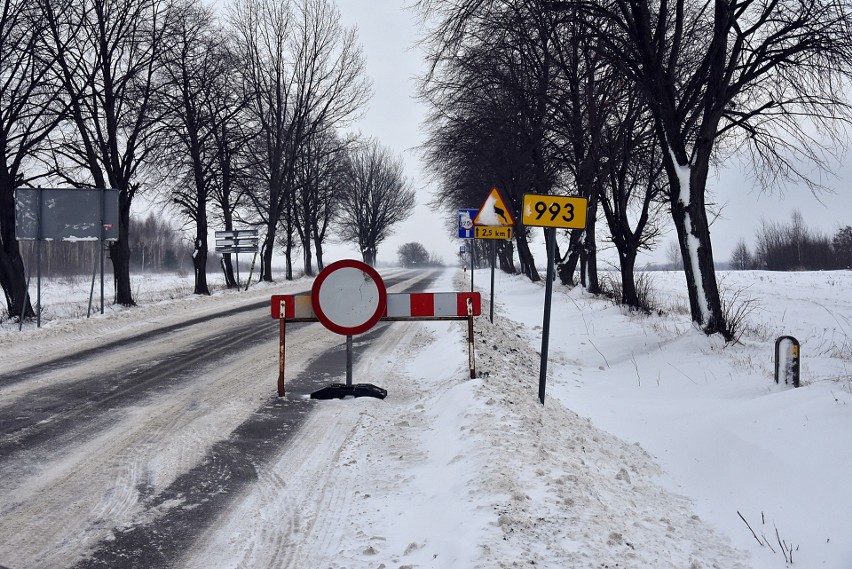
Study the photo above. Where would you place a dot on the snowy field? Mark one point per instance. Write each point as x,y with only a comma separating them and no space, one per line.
657,446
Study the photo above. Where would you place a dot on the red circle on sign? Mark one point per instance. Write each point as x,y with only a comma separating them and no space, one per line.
349,297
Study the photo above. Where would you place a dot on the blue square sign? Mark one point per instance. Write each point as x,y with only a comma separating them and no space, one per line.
466,217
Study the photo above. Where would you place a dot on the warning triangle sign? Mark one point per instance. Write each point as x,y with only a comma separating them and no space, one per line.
494,211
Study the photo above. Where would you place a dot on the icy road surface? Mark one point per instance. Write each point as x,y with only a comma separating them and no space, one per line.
172,449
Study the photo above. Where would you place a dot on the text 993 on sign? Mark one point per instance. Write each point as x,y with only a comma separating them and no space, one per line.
554,211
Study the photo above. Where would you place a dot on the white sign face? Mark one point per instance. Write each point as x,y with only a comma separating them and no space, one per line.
349,297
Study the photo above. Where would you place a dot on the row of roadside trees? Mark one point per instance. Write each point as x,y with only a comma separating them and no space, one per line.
631,104
793,246
233,119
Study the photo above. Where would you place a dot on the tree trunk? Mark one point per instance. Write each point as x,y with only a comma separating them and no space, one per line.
690,218
318,247
267,248
14,283
590,249
627,263
119,253
567,266
308,257
199,263
694,238
288,259
228,270
526,259
506,254
12,273
368,255
199,255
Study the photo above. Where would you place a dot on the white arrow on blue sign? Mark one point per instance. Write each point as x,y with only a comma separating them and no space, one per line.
466,217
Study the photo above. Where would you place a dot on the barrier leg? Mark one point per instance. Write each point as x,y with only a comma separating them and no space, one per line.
470,354
281,326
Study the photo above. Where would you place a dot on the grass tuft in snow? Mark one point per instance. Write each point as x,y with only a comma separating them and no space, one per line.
737,307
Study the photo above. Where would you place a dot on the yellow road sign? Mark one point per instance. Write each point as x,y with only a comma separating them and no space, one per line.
494,211
492,232
554,211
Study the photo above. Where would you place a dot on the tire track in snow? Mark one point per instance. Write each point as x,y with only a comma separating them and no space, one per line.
173,518
307,521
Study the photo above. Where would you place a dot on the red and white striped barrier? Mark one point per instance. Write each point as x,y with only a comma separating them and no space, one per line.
400,306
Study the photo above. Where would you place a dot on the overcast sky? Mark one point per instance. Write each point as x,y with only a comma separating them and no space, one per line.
388,32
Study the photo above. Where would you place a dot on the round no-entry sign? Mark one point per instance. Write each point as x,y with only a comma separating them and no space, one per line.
349,297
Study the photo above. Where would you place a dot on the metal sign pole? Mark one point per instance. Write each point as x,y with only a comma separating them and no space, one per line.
493,262
545,327
38,256
348,360
92,287
472,261
101,242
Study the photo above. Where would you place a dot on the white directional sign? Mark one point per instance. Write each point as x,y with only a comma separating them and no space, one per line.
241,241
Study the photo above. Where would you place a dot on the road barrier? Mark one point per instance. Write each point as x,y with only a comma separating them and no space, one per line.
343,315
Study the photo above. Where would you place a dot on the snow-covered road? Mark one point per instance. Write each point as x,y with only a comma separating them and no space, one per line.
446,472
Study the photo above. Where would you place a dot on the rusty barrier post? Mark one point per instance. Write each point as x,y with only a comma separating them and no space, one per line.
282,318
470,347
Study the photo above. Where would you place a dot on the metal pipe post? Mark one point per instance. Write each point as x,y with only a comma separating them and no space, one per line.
470,346
545,327
281,324
493,263
349,360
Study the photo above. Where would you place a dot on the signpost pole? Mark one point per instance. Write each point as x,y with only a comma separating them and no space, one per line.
101,242
493,262
349,360
38,255
550,212
472,261
545,327
92,287
237,262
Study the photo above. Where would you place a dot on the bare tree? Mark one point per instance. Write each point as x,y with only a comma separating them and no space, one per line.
841,244
741,259
634,190
413,255
196,69
491,73
30,108
305,74
792,247
106,54
321,171
376,197
762,75
674,259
